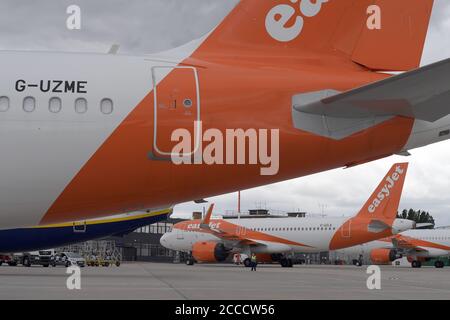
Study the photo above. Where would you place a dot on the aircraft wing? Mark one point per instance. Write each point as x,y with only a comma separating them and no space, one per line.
238,237
421,94
235,240
223,234
406,244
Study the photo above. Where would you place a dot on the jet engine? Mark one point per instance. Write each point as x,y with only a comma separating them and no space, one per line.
209,251
384,256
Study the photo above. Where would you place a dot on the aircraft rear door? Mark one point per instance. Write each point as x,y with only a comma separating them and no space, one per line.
346,229
176,106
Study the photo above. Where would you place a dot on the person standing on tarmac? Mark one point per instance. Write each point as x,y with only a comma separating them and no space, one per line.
254,262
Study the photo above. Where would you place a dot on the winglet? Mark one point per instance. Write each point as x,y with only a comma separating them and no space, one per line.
206,220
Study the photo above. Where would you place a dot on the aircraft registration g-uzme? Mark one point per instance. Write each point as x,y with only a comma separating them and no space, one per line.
416,245
215,240
295,84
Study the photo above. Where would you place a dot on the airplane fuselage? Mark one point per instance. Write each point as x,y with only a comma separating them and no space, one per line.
86,135
429,243
278,235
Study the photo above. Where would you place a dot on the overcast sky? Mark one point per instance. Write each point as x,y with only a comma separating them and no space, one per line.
146,26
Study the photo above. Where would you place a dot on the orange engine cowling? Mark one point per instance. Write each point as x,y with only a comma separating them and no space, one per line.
383,256
209,251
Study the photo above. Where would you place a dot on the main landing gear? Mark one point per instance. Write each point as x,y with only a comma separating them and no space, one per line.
286,263
190,261
247,263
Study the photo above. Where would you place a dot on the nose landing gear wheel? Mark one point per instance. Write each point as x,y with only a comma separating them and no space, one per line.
26,262
286,263
190,262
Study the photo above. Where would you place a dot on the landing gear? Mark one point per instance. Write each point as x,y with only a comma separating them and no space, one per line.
416,264
357,263
26,262
190,261
286,263
439,264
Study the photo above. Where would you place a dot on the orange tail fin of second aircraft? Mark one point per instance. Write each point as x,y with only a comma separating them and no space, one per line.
376,218
379,34
384,201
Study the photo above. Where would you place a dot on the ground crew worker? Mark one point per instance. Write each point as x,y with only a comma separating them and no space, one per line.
254,262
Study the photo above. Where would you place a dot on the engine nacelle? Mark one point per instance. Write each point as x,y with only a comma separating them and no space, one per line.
209,251
383,256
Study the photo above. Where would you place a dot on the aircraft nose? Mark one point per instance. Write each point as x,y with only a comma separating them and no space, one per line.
164,240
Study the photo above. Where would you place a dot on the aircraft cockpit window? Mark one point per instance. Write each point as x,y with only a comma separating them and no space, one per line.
55,105
81,105
29,104
4,104
106,106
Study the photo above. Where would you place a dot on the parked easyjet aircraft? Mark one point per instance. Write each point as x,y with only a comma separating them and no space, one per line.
417,245
214,240
90,135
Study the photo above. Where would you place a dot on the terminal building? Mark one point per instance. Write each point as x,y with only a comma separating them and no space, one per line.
143,244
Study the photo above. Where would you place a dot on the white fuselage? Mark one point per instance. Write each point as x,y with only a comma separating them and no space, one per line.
278,235
434,243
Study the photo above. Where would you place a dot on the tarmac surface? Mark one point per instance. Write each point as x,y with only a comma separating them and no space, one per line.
217,282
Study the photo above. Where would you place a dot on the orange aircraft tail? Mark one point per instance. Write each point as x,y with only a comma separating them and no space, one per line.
378,34
377,218
384,201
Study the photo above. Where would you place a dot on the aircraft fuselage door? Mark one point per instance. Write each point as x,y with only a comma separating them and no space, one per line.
180,235
176,106
347,229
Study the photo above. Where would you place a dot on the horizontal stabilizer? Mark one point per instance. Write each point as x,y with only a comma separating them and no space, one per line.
424,225
421,94
377,226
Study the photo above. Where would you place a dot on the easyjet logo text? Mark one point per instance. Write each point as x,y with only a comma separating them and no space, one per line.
194,226
278,20
386,190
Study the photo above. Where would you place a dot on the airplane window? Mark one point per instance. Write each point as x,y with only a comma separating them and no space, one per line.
54,105
4,104
81,105
106,106
29,104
